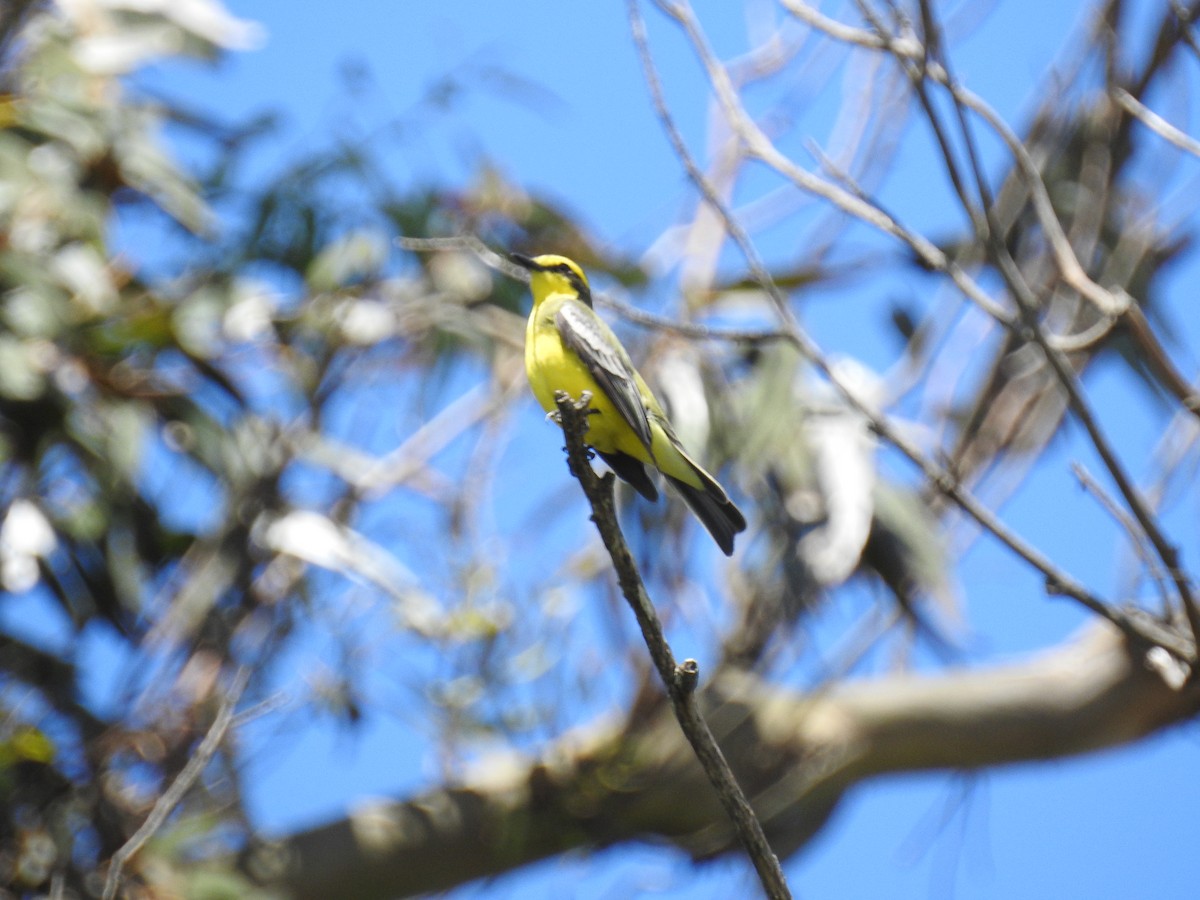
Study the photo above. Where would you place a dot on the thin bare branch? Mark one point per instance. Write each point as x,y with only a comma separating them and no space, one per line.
1057,581
907,47
183,782
630,313
1184,15
1121,517
1028,304
679,680
465,242
1155,122
760,145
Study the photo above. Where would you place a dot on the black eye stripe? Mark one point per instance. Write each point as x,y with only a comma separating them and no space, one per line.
571,275
576,280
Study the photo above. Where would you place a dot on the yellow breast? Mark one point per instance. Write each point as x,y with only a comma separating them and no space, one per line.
553,367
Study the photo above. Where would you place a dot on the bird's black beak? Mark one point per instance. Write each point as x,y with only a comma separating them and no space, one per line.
524,262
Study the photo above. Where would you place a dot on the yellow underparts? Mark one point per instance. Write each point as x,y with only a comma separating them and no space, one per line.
551,367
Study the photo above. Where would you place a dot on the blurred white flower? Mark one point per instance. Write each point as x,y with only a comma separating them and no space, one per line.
81,270
206,19
25,535
460,275
843,448
249,317
320,541
366,321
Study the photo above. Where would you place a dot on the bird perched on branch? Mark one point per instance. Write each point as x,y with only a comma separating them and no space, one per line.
569,348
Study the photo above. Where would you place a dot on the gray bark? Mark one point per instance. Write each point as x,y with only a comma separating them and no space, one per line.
795,754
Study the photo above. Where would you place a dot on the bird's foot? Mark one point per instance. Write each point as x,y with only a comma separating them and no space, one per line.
583,403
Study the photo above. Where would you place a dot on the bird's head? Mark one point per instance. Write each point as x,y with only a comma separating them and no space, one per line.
553,275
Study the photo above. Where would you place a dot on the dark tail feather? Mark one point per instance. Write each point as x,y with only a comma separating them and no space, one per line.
631,470
718,514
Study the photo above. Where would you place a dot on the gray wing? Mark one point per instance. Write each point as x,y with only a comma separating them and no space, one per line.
597,348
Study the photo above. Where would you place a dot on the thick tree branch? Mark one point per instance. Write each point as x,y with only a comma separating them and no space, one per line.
797,754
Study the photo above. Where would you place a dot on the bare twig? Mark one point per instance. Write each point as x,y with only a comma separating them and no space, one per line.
1184,15
1122,518
458,416
181,785
627,312
679,680
909,48
465,242
1028,305
1057,582
1155,122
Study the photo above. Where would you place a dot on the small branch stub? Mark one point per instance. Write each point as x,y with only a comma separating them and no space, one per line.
687,676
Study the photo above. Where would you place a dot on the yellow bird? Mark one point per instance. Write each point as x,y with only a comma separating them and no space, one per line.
569,348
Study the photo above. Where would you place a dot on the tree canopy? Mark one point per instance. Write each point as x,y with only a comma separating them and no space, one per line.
269,454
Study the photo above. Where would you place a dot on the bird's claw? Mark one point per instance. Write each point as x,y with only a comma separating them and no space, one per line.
583,403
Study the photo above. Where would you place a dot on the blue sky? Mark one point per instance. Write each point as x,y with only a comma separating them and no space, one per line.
1115,824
